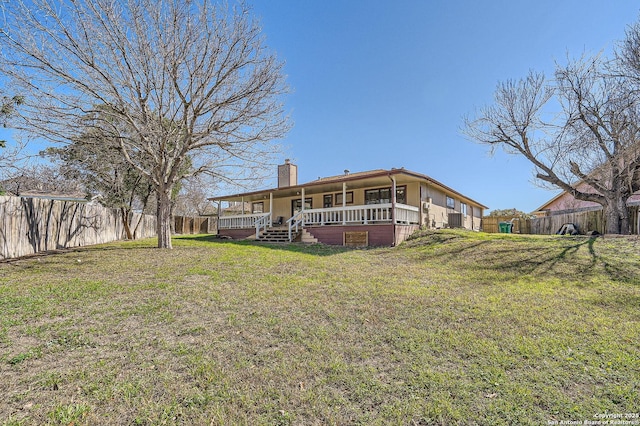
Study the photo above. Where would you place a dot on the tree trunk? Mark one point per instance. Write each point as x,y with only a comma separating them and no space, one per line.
125,221
164,218
616,217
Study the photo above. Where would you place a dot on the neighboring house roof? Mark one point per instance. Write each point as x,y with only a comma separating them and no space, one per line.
564,201
61,196
379,177
549,204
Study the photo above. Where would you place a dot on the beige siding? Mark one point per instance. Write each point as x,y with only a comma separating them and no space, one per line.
413,193
438,213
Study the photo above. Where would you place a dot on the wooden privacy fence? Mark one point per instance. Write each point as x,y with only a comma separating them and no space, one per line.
591,220
195,225
33,225
492,224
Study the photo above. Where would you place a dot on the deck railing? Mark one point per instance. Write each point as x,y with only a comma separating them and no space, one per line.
263,223
349,215
366,214
246,221
294,222
407,214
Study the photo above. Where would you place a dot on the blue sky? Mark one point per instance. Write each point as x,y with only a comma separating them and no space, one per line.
382,84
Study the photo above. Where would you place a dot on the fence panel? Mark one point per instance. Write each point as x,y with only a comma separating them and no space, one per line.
195,225
585,221
590,220
492,224
32,225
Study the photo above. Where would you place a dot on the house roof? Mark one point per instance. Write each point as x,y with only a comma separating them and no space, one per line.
633,200
546,205
379,177
51,195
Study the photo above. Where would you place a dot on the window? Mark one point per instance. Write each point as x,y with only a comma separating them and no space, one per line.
383,195
327,201
451,203
296,205
257,207
463,209
401,194
339,198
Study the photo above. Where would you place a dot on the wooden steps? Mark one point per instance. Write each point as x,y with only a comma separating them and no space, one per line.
276,235
281,235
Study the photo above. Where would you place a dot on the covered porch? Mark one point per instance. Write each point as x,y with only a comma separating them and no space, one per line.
255,224
341,204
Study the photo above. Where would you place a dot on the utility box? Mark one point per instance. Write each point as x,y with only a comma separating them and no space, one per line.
455,220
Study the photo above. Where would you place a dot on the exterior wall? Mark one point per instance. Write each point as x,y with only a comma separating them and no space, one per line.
474,218
413,193
404,231
379,235
438,214
282,206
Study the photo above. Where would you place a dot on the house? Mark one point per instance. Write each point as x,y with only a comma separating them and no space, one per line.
77,197
377,208
566,203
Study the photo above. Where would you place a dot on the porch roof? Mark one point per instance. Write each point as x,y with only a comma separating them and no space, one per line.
357,180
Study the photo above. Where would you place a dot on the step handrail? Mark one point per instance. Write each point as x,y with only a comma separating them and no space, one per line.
295,221
262,222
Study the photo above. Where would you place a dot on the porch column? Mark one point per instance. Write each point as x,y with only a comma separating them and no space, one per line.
344,203
242,207
302,207
270,209
218,218
393,199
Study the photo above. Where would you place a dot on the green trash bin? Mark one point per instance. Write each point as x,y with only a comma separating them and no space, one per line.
505,227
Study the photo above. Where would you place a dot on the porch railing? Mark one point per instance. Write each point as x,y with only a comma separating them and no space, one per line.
365,214
295,222
263,223
246,221
407,214
349,215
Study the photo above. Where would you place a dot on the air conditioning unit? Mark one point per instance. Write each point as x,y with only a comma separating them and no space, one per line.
426,205
455,220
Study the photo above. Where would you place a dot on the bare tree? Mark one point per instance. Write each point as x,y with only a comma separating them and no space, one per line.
42,178
96,160
191,79
192,199
580,131
8,155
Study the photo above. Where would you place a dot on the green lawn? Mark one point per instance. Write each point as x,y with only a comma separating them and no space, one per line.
449,328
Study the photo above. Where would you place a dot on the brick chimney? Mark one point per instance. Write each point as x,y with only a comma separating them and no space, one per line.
287,174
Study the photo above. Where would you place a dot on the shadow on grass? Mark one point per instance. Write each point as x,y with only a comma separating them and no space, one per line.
573,258
312,249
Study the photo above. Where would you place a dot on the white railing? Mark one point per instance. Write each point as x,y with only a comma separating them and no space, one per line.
246,221
367,214
263,223
407,214
349,215
294,222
